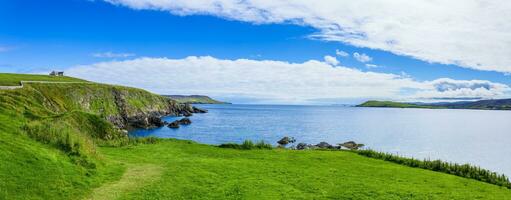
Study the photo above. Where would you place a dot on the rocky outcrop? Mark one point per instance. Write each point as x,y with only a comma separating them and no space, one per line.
324,145
351,145
185,121
174,124
286,140
177,123
129,117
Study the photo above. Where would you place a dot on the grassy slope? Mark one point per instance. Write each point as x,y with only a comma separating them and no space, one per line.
47,151
48,137
14,79
392,104
195,171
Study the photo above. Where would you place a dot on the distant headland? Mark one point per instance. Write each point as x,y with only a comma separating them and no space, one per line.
494,104
195,99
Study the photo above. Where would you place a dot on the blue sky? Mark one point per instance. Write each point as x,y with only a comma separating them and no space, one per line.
38,36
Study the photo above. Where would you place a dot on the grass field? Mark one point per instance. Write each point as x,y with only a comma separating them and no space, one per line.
195,171
14,79
55,144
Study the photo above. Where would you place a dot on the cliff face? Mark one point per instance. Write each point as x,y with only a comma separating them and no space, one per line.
124,107
147,116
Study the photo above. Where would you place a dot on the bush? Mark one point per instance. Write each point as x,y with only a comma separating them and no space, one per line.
247,145
143,140
464,170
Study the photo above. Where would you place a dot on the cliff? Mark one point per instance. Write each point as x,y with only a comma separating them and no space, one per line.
124,107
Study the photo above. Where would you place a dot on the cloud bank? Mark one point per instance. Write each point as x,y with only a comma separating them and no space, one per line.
468,33
277,81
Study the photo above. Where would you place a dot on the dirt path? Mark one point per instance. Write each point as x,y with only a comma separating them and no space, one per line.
46,82
134,178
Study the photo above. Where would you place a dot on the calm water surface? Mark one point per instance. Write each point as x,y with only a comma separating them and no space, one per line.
464,136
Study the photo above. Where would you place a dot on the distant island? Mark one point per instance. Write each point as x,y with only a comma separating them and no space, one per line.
195,99
496,104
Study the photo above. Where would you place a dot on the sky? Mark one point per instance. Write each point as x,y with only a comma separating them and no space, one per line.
269,52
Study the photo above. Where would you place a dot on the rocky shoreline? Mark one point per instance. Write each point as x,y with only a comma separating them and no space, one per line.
148,119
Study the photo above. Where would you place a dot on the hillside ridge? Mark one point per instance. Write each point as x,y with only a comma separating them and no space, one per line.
195,99
492,104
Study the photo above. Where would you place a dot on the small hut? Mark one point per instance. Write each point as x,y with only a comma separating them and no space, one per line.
55,73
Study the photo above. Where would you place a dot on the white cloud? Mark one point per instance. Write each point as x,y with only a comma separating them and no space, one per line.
331,60
275,80
371,66
446,88
112,55
341,53
362,57
469,33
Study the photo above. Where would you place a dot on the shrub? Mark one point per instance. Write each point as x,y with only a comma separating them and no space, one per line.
464,170
247,145
143,140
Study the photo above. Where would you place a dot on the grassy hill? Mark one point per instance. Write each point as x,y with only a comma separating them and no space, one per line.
391,104
493,104
194,99
497,104
14,79
61,141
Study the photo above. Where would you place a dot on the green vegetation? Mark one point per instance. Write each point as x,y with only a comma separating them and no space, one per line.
495,104
194,99
465,170
392,104
49,135
196,171
14,79
56,144
247,145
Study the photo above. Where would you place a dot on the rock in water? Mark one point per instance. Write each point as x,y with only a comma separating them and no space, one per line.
302,146
324,145
286,140
185,121
174,124
199,110
155,121
351,145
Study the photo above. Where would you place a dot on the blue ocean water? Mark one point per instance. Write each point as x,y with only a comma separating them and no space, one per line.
477,137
